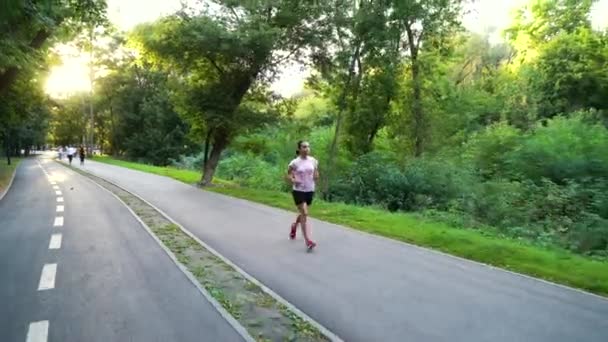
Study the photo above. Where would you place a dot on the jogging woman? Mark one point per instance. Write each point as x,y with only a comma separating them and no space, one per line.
303,172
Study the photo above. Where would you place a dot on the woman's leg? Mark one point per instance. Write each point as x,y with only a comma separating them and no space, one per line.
303,208
294,228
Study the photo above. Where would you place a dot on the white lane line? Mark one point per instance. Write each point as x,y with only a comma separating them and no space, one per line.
60,199
60,208
53,182
47,279
58,192
58,221
38,332
55,241
55,187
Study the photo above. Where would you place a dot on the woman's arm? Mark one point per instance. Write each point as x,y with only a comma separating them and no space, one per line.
290,175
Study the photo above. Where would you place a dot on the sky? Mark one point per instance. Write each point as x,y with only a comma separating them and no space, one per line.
72,75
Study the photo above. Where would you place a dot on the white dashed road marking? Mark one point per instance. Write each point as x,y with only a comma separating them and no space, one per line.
47,279
58,221
58,192
60,199
55,241
60,208
55,187
38,331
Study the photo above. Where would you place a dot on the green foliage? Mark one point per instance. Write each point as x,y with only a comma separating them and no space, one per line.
225,60
375,179
68,121
27,25
562,149
571,73
541,20
25,115
487,150
136,115
249,170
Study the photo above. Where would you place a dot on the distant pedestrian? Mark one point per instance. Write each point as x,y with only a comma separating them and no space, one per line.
81,154
70,154
303,172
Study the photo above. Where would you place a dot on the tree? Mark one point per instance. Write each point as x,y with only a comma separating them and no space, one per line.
25,113
221,56
424,25
541,20
28,25
571,73
358,58
136,115
68,121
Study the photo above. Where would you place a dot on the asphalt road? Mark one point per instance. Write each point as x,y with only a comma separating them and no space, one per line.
111,281
366,288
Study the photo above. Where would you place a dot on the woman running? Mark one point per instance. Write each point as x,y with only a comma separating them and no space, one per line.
303,172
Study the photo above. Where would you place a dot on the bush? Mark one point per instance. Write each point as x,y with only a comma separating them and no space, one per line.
376,179
569,215
487,150
189,162
564,149
251,171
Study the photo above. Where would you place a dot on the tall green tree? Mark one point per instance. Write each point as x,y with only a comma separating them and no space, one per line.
25,114
571,73
540,20
424,25
136,117
222,55
356,69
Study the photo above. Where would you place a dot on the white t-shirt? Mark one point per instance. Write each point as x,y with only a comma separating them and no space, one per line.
303,170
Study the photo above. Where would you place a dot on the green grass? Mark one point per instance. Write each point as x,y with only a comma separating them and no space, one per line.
186,176
557,265
6,172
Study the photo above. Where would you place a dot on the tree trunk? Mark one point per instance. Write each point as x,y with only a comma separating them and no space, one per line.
206,151
7,149
91,112
220,142
333,150
417,111
417,94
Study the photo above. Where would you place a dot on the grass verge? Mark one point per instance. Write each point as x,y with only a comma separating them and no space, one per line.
265,318
556,265
186,176
6,172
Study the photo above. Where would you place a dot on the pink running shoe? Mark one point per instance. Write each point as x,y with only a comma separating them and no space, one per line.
294,229
310,245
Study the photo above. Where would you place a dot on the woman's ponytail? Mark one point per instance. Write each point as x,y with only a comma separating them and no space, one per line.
299,146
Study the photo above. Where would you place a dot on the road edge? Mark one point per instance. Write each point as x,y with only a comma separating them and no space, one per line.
328,333
10,183
225,315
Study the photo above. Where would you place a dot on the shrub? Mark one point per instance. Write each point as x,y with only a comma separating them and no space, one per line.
375,179
565,148
487,150
252,171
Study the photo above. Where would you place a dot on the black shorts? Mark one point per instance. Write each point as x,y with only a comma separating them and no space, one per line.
300,197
